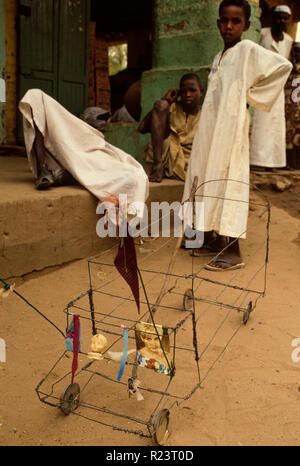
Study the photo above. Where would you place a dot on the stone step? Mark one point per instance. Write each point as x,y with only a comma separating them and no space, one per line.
39,229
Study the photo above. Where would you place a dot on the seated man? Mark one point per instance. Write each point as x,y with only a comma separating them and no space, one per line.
172,125
59,144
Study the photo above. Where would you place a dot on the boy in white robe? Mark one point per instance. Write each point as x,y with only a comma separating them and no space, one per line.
243,73
269,152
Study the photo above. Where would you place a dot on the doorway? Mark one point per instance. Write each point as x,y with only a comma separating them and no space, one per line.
126,26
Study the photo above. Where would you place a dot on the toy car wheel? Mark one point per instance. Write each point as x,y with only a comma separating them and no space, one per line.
69,399
247,313
161,425
188,299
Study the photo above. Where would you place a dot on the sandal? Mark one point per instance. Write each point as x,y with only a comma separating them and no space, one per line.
45,180
234,266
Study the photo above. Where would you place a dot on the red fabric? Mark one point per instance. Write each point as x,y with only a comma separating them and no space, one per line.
76,326
126,263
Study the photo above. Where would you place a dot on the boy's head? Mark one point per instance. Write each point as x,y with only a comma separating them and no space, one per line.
190,91
281,15
234,19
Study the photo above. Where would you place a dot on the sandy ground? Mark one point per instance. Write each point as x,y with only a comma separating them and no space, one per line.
250,397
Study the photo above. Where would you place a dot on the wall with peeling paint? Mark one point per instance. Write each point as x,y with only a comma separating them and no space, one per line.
127,137
2,66
186,32
186,39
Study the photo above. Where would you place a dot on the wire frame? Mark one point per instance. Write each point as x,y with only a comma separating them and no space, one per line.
210,311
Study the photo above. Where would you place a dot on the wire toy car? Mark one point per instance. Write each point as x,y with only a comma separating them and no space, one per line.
154,360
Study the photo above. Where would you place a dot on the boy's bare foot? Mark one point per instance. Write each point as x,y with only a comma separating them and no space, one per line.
208,249
157,173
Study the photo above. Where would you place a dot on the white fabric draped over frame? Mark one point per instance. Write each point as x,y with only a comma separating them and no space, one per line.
82,150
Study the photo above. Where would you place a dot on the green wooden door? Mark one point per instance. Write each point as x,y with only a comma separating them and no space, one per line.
54,50
73,70
38,46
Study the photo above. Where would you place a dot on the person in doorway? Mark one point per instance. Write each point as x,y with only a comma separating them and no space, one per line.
268,136
172,124
292,111
242,73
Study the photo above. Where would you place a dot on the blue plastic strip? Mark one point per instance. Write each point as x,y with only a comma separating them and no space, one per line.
70,334
125,336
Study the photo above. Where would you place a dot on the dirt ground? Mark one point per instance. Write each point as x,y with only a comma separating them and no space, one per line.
250,397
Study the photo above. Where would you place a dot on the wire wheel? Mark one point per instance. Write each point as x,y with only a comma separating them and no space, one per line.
69,399
247,313
188,299
161,425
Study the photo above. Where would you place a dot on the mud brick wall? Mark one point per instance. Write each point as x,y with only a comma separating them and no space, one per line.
102,75
99,83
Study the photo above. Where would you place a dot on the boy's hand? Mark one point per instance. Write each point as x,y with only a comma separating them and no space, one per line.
171,96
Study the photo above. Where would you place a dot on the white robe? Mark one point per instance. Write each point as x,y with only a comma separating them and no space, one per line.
268,138
247,73
81,150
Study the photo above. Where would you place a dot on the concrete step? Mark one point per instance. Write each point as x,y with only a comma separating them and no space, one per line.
39,229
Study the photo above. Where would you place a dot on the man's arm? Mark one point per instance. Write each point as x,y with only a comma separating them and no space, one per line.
145,125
